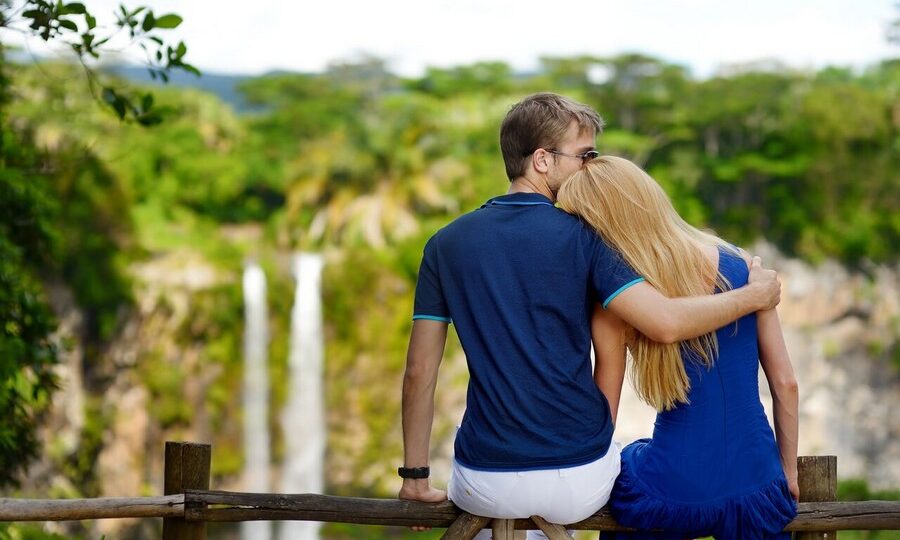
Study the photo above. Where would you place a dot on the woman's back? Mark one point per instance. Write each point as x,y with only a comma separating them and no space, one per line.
712,466
721,443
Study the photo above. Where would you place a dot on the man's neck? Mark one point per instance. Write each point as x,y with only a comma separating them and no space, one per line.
527,185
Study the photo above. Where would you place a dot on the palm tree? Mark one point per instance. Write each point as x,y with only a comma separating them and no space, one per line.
370,181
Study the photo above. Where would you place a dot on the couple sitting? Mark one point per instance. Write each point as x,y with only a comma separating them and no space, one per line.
531,286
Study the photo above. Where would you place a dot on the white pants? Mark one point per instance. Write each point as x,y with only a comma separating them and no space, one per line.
560,496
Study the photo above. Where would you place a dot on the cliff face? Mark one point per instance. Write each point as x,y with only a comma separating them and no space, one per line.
118,402
841,330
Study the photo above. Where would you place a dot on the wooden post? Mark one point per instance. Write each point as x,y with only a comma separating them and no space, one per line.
817,476
465,527
503,529
186,467
553,531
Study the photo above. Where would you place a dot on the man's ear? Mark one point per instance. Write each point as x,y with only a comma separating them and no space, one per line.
540,160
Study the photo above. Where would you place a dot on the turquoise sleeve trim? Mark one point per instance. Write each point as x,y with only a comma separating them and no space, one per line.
621,289
433,318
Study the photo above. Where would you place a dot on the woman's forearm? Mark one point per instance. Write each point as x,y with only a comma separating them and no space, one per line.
785,405
609,380
776,364
608,335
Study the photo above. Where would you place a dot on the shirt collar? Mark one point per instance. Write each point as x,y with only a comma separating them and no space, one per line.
519,199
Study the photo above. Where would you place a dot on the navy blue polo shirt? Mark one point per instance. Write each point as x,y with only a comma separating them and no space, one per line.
519,278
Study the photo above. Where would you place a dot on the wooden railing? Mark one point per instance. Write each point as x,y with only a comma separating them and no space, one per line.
188,505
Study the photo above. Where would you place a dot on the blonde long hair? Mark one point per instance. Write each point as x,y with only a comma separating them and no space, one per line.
633,214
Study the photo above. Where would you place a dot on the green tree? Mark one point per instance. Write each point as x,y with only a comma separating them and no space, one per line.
41,192
373,183
27,351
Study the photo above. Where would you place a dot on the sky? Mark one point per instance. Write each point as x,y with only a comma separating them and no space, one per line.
257,36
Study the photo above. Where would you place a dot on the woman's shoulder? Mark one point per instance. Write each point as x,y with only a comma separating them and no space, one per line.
725,253
736,252
734,263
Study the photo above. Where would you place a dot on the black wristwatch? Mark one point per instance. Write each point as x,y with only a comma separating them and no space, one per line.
414,472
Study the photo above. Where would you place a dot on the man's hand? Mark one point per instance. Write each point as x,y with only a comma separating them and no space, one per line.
419,489
765,282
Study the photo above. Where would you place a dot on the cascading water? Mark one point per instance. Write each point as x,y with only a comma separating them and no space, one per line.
256,395
303,420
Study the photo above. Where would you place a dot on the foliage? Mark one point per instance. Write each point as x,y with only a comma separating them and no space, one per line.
58,225
59,22
790,155
27,354
19,531
27,348
857,489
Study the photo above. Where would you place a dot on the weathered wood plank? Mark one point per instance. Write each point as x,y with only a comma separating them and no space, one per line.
601,521
259,514
465,527
355,507
847,516
102,508
867,515
328,504
331,503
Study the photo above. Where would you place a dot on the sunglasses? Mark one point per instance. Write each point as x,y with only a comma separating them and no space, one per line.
584,157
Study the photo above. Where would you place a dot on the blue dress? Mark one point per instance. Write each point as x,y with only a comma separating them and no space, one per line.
712,467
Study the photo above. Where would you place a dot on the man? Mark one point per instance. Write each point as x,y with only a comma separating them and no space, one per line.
520,278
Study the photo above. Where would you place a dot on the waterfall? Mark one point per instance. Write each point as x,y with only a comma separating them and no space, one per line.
256,394
303,418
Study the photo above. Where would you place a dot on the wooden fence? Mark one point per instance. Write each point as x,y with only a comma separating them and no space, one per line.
188,505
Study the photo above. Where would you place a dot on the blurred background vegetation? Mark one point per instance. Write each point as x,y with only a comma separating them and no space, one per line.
363,165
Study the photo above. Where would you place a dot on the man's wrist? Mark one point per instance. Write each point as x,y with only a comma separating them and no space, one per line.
415,485
753,297
414,472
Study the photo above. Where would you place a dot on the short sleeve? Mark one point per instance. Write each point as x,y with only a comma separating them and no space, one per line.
611,275
430,302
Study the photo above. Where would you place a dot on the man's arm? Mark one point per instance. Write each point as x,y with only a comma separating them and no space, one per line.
670,320
426,348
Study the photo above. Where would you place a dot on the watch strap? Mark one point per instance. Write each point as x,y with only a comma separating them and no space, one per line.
414,472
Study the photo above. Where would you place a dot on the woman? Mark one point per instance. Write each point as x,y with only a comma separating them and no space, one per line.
713,466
